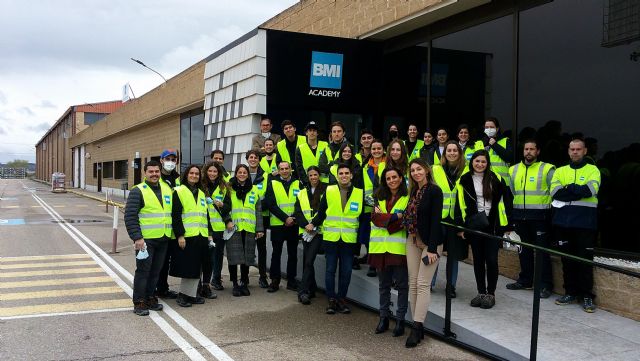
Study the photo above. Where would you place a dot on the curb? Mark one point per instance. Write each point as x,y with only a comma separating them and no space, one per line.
102,200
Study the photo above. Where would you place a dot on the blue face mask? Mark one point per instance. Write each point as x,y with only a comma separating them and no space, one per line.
142,254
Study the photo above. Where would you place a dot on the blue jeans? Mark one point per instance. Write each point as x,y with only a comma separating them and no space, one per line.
454,273
334,251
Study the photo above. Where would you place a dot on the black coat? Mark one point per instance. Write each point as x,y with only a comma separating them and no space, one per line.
185,263
428,214
499,190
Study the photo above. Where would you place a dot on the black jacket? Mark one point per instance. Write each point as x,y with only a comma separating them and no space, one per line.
505,153
428,214
499,190
314,202
135,202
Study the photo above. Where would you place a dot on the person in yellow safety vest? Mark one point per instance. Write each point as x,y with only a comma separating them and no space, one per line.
306,206
482,191
446,176
413,144
396,158
464,140
499,148
338,215
171,177
247,222
574,189
370,180
387,247
364,153
217,191
190,221
287,146
260,179
331,152
530,184
280,199
218,157
437,152
345,155
269,163
427,148
308,154
147,218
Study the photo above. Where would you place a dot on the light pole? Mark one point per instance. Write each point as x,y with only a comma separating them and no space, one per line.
143,64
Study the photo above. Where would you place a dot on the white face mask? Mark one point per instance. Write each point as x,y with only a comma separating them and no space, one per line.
169,166
490,132
266,135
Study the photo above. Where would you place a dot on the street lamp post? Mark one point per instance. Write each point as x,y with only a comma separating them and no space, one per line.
143,64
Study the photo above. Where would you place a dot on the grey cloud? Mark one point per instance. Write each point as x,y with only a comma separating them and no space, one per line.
41,127
46,104
26,111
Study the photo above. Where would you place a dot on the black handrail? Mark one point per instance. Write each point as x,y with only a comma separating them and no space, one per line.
536,282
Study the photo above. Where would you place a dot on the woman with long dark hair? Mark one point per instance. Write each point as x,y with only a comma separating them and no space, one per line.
396,157
246,214
446,175
346,155
484,205
387,249
190,226
217,191
424,242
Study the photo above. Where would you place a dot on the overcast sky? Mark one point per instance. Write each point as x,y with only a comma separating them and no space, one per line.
55,54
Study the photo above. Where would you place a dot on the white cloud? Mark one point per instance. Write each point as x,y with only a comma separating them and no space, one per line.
85,55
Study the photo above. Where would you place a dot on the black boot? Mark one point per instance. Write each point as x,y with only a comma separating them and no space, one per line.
399,329
416,335
274,286
383,325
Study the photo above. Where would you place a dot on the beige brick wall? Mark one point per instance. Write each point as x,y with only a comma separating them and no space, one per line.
149,140
345,18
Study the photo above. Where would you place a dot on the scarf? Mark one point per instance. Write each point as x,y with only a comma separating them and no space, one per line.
241,190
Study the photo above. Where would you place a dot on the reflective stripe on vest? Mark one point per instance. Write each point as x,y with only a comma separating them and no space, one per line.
268,166
282,147
243,214
448,194
342,223
194,214
286,202
215,219
381,241
155,216
305,206
416,151
588,175
529,186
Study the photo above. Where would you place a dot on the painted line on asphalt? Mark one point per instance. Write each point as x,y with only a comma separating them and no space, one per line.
56,282
59,293
63,307
45,264
51,272
173,335
68,313
203,340
43,257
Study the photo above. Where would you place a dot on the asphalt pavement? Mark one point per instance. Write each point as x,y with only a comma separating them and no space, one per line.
65,296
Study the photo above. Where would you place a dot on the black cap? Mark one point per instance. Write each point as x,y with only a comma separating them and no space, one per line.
311,125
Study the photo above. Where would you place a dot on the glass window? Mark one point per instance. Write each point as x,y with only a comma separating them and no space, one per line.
571,85
192,139
472,76
91,118
120,169
107,170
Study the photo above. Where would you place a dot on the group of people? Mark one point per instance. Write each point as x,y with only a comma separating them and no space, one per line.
390,196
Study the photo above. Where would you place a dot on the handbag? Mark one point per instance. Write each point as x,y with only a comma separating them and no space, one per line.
478,221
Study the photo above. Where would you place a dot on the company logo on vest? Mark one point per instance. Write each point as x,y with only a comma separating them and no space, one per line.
326,73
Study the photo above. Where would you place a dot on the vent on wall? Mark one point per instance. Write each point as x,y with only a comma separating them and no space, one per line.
621,22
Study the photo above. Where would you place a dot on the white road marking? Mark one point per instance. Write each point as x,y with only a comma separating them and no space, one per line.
68,313
173,335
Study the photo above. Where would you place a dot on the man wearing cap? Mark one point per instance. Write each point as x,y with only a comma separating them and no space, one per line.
147,217
169,176
308,153
257,142
287,147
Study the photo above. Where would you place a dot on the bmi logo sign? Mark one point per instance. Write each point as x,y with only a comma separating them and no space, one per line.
326,73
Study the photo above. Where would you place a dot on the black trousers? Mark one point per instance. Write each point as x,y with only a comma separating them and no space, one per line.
485,263
148,269
310,251
577,276
218,256
261,244
280,235
386,277
534,232
162,285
